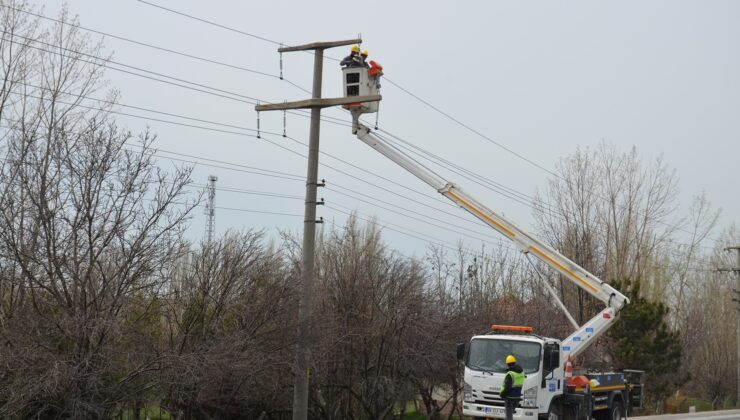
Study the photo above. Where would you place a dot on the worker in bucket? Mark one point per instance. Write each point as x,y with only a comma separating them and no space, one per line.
353,59
363,59
511,389
375,70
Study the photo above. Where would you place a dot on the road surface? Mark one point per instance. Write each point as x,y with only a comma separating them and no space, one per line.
705,415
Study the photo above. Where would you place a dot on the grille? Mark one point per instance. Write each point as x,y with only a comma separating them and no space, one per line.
488,398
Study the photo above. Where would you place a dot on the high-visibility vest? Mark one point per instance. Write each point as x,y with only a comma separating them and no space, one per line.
517,382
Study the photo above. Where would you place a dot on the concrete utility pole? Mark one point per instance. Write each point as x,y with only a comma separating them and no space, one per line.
303,352
736,270
210,210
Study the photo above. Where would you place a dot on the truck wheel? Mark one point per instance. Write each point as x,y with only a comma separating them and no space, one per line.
553,413
616,411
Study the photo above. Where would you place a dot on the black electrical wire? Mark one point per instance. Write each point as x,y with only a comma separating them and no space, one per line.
148,45
255,136
178,82
418,98
439,242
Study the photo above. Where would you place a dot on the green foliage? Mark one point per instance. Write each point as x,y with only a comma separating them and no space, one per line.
642,340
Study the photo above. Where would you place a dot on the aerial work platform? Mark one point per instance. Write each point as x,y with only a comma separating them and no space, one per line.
359,84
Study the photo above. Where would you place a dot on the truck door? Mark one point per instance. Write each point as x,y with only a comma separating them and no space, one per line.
552,375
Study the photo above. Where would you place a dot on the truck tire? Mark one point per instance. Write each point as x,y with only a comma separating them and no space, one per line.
553,413
616,411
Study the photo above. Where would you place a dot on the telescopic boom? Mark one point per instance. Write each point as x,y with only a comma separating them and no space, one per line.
612,298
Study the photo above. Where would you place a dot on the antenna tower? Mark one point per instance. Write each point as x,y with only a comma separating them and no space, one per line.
210,210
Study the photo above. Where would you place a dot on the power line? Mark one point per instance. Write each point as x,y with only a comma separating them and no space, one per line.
250,192
375,174
343,172
491,241
196,84
397,228
254,136
469,128
274,195
170,122
156,47
5,159
212,23
275,174
423,101
270,142
178,82
235,133
420,220
169,50
374,199
217,130
274,213
496,187
384,78
372,203
415,234
460,170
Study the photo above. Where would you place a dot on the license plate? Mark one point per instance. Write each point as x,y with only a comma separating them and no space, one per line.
493,410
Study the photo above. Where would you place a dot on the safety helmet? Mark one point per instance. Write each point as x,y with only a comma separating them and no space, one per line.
364,52
510,359
355,48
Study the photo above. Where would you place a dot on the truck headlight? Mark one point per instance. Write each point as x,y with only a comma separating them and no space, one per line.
467,392
530,397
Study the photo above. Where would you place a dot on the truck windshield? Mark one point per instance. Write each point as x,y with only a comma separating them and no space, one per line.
489,355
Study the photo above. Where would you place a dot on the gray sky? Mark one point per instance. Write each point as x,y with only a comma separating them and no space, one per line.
541,78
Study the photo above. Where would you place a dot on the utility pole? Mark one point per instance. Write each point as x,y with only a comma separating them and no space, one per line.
303,352
736,270
210,210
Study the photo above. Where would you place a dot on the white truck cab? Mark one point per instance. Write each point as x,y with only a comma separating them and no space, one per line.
485,369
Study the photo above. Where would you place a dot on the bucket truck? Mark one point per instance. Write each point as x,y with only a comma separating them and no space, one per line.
548,391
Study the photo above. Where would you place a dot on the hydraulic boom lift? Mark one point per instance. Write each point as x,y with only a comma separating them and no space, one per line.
546,391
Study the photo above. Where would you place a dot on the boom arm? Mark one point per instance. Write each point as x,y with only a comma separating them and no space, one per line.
612,298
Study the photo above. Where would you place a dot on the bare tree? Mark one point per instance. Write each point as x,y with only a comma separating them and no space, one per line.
708,325
369,308
228,331
87,224
610,213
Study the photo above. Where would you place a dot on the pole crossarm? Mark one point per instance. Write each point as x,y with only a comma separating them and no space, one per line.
320,45
317,103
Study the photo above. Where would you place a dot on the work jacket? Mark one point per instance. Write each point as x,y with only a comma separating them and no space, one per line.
513,383
352,60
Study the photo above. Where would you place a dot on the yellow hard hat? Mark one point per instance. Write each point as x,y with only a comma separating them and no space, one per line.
355,48
510,359
364,52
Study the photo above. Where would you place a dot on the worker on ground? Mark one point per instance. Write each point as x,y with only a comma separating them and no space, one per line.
353,59
511,389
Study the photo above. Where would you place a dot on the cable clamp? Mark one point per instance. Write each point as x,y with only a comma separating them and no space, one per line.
321,184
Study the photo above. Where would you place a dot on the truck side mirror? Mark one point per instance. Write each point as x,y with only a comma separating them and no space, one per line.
554,360
460,351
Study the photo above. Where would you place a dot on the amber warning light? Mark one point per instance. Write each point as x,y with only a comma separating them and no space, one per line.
511,328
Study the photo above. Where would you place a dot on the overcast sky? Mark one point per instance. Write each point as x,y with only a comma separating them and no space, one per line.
540,78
